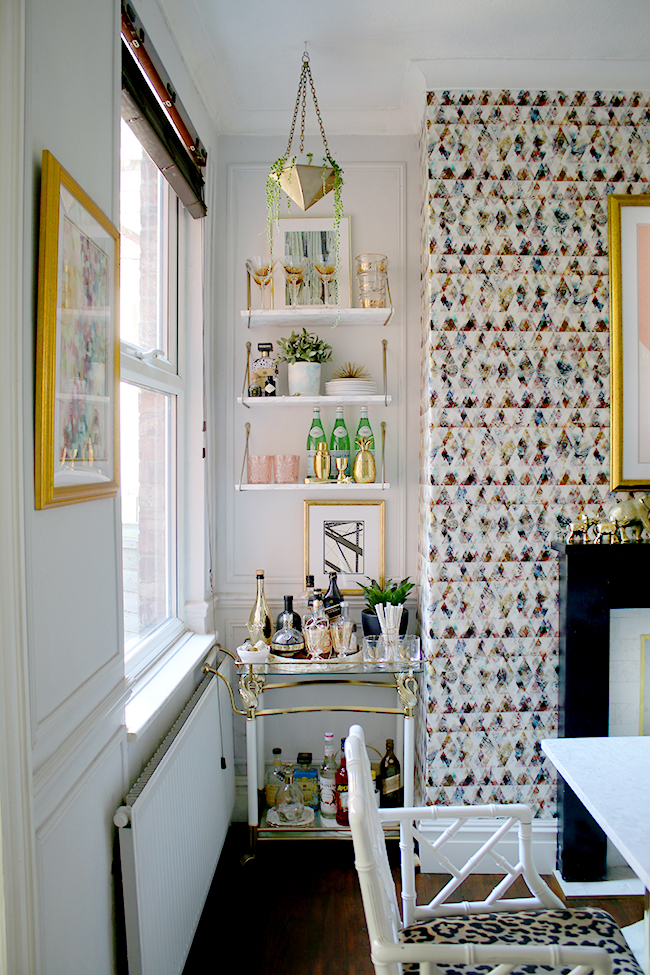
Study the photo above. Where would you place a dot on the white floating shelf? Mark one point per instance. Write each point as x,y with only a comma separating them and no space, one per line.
310,400
310,315
335,488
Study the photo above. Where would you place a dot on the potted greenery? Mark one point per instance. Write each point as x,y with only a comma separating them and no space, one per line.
304,354
394,593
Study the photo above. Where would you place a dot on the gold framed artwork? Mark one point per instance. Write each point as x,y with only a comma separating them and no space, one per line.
77,348
346,537
629,330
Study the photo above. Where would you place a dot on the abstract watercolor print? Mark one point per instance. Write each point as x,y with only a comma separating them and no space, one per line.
83,397
643,278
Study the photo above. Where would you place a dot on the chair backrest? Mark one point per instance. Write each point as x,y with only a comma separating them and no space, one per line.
380,902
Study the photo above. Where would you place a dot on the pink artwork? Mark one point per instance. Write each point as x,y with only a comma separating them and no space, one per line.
83,366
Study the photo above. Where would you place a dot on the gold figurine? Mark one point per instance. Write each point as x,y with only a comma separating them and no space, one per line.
364,470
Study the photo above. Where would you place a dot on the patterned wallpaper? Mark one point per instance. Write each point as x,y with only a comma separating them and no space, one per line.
515,418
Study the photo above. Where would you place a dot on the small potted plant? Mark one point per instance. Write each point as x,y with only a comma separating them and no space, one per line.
304,354
393,593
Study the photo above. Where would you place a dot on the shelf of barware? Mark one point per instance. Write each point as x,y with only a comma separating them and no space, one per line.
311,316
331,487
301,400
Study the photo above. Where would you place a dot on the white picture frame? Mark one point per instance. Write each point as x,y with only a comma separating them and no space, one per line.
307,235
347,537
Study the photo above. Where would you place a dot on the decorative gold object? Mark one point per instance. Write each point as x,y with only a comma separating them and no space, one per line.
351,371
629,514
341,465
364,470
580,527
633,513
608,531
322,462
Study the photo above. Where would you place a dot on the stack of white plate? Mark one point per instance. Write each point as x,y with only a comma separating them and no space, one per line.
350,387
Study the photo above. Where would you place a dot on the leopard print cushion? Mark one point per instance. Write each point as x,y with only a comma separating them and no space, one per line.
590,927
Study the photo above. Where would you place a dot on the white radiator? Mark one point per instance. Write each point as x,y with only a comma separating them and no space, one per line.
172,827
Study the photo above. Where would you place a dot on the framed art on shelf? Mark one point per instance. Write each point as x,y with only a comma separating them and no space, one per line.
77,351
629,329
346,537
308,239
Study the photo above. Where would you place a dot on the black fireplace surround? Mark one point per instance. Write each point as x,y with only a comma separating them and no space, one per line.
593,580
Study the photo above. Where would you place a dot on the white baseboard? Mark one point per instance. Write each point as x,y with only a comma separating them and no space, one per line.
468,839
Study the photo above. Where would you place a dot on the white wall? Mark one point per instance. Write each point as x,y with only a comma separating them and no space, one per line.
65,764
258,529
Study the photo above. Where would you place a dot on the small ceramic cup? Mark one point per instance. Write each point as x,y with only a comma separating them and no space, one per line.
260,468
285,468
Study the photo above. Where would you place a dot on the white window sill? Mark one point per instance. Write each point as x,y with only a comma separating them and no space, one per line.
150,692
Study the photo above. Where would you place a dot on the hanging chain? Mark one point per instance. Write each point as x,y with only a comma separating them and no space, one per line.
302,96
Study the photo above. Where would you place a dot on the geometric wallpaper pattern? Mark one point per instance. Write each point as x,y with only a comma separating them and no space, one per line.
515,416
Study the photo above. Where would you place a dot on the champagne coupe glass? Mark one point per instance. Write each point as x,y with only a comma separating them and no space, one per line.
261,269
295,269
326,271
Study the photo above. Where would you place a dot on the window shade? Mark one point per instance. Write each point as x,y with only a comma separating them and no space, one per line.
143,113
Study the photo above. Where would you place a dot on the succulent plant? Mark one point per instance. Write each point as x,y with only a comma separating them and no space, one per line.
391,592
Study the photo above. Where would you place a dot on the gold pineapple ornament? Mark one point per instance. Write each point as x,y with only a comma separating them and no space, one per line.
364,470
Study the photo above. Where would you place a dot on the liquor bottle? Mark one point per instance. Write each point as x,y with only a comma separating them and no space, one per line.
260,626
289,802
294,618
316,435
306,776
332,599
364,432
341,790
273,778
305,600
390,778
326,785
288,641
339,442
264,373
316,628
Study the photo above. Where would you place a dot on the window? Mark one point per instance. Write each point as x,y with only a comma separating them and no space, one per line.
151,402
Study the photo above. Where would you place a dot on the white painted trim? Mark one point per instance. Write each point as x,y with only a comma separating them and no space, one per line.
17,878
469,838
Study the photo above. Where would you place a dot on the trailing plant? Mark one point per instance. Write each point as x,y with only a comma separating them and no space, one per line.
304,347
393,593
273,194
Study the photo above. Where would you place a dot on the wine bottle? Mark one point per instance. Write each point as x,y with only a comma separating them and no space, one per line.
341,790
260,626
332,599
390,778
316,436
339,443
326,776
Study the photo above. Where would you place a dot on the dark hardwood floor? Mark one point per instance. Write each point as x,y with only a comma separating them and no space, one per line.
296,909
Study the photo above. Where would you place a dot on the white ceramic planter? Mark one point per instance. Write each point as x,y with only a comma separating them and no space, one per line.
304,378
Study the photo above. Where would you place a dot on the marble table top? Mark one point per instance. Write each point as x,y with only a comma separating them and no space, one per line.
611,777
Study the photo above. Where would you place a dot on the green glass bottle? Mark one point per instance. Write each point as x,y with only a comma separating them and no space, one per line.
339,443
316,436
364,431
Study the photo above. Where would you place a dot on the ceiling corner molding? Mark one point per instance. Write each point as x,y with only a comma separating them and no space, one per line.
546,74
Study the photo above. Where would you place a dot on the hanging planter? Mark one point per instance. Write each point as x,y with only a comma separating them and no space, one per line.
303,182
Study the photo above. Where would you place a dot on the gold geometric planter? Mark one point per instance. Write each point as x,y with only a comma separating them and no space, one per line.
305,185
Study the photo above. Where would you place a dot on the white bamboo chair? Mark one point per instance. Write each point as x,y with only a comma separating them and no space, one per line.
490,937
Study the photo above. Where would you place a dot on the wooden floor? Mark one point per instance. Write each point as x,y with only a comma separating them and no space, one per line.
296,910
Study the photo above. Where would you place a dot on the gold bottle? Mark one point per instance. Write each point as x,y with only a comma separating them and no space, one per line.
364,470
322,462
259,623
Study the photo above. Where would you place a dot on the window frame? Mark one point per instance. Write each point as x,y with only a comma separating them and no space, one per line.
166,375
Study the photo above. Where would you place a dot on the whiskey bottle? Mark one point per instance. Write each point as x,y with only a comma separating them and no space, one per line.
264,373
390,778
260,626
339,443
332,599
316,435
316,628
273,778
326,776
